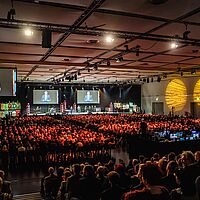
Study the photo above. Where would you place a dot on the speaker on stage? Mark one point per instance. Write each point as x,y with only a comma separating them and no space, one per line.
46,38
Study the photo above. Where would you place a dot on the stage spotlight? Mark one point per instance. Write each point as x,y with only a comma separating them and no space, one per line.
137,50
75,76
165,76
28,32
185,35
120,59
158,79
46,38
95,67
126,47
11,13
108,63
193,71
181,73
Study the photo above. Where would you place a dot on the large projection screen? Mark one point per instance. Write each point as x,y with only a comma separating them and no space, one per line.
45,96
88,97
8,81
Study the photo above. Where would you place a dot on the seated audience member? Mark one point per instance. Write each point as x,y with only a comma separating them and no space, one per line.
162,163
114,192
171,156
197,157
151,177
63,187
125,180
169,181
89,184
136,181
188,175
197,182
60,173
4,196
103,180
51,184
73,182
6,186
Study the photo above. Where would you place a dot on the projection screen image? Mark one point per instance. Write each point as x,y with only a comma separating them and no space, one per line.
45,96
88,97
8,79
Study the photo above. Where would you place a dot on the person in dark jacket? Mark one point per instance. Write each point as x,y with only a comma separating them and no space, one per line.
51,184
89,184
115,192
73,182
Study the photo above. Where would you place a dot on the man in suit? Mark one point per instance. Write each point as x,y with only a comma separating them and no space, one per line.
88,97
51,184
46,97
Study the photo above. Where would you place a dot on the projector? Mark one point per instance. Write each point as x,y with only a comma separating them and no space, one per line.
157,1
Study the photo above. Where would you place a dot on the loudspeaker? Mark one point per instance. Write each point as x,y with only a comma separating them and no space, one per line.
46,38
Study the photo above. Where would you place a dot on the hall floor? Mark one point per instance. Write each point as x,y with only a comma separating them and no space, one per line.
28,180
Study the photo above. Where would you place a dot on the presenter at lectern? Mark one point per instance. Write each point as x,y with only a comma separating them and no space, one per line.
46,97
88,97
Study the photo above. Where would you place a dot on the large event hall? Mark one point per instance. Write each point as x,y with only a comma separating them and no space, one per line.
99,99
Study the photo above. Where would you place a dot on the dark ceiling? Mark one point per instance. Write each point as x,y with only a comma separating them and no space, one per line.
142,32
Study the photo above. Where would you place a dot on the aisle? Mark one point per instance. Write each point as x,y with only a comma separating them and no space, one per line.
120,154
28,181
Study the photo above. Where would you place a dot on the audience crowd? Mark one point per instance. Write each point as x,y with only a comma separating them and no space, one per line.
169,177
74,140
55,139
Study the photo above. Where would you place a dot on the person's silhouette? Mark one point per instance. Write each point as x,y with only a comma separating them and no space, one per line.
88,97
46,97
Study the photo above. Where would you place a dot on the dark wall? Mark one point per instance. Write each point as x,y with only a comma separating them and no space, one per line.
108,93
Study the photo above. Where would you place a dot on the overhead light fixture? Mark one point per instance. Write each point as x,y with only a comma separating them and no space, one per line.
120,59
174,45
181,73
11,13
75,76
95,67
137,50
28,32
126,47
158,79
193,71
108,63
109,39
165,76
